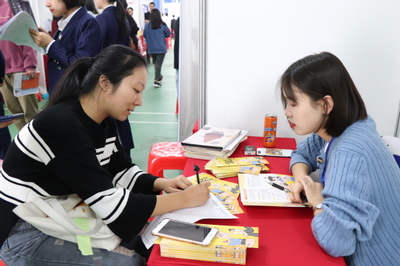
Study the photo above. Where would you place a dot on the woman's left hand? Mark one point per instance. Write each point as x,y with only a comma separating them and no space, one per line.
313,190
171,185
41,38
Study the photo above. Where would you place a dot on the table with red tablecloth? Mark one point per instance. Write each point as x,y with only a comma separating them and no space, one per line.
285,236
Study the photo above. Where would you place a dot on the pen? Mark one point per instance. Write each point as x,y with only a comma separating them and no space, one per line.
280,187
302,196
196,169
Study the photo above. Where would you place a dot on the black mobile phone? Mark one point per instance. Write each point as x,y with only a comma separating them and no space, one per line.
188,232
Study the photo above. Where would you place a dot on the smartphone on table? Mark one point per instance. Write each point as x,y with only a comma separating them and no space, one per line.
188,232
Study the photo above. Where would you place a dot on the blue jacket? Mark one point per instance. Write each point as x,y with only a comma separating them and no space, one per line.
110,29
80,38
361,207
155,38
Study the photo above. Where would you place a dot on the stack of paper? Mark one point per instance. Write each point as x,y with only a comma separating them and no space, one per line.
229,246
210,142
229,167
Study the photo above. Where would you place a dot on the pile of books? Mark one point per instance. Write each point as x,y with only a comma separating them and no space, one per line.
230,167
210,142
229,246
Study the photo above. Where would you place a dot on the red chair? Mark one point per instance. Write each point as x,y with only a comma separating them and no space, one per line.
165,156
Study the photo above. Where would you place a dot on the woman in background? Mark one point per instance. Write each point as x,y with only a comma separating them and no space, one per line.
113,24
72,147
357,203
78,35
155,33
115,30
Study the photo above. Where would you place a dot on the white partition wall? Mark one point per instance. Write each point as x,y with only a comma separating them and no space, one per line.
249,44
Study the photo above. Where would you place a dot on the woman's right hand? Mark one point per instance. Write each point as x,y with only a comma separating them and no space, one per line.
197,195
297,188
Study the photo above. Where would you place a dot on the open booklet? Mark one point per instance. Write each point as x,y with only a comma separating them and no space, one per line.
17,28
266,190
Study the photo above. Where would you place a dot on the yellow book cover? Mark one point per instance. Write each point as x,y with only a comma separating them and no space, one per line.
226,192
229,245
240,161
258,190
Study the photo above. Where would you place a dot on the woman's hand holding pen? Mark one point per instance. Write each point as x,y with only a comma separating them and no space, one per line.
297,188
40,37
197,195
312,189
191,196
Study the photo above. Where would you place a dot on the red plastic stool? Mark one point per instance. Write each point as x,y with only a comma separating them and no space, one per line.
165,156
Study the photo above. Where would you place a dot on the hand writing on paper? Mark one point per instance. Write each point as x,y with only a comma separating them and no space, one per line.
40,37
197,195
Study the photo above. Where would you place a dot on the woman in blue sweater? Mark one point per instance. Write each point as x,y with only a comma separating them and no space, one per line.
155,33
357,201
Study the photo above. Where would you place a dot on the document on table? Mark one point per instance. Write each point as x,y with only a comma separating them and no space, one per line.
17,28
213,209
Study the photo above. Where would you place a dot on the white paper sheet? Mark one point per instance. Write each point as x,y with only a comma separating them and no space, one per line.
213,209
17,28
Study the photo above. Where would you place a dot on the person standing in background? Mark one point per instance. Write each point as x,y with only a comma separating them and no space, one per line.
18,58
133,26
147,19
155,33
173,21
78,35
114,26
115,30
5,137
147,14
176,54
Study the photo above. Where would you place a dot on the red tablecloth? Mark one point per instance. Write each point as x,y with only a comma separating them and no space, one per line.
284,233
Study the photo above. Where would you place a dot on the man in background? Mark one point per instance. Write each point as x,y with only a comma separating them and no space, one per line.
132,26
147,14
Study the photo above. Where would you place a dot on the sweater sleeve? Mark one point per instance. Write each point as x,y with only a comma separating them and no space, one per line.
30,61
307,152
348,217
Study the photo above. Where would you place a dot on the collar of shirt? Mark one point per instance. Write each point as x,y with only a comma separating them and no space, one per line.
62,23
107,7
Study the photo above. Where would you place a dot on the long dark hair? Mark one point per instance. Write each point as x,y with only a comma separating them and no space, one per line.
73,3
90,6
115,62
121,18
320,75
155,19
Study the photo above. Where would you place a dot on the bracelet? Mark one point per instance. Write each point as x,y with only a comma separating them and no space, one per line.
317,207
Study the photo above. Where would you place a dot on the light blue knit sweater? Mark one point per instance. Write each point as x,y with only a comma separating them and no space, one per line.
361,210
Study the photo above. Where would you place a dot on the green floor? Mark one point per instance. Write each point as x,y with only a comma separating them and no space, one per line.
154,121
